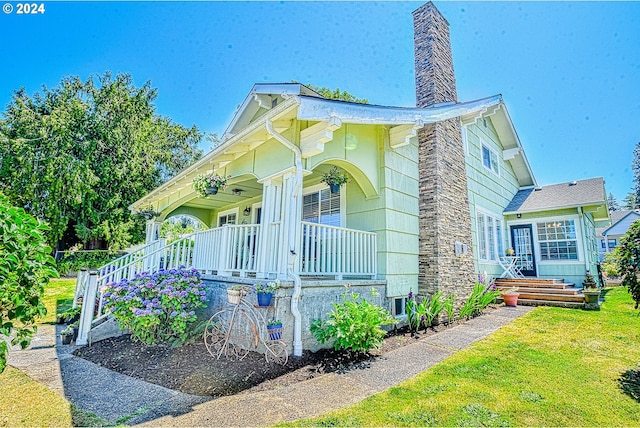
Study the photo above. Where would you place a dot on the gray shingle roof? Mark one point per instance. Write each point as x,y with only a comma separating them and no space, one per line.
556,196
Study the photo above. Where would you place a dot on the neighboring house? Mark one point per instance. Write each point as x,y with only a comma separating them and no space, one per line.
437,193
609,236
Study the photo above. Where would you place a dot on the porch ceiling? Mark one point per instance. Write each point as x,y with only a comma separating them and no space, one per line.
250,192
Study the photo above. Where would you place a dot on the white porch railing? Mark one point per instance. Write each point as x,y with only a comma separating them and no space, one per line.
337,251
234,250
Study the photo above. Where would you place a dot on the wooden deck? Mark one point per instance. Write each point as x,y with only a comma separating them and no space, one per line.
544,292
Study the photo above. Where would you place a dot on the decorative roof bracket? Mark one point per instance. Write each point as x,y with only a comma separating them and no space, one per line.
313,139
403,135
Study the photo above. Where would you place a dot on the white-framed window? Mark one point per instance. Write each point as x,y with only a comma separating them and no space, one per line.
557,240
612,244
321,206
400,307
228,217
490,236
490,158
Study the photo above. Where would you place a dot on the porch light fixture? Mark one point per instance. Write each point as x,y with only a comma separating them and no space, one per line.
247,211
237,192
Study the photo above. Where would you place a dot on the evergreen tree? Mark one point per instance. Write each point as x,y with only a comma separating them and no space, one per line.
636,176
612,202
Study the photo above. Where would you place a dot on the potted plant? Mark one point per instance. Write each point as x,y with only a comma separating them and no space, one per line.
66,335
234,294
265,292
274,328
209,184
335,178
589,281
510,296
509,252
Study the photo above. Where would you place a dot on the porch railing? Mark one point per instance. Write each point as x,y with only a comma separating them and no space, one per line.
337,251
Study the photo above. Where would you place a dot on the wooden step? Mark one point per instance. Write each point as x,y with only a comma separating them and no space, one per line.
536,302
546,290
531,280
525,284
578,298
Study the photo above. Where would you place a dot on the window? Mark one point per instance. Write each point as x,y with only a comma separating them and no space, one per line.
612,244
321,207
490,159
558,240
228,217
399,306
490,241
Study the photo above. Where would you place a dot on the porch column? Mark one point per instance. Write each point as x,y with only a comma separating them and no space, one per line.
153,231
291,219
268,239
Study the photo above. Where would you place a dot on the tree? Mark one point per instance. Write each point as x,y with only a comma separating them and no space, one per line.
612,202
631,201
25,268
337,94
78,155
629,261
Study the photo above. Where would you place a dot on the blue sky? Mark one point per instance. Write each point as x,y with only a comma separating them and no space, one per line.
569,71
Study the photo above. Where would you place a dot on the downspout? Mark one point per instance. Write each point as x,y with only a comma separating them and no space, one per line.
297,283
584,241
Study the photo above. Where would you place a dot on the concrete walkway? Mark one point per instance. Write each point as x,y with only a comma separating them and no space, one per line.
113,396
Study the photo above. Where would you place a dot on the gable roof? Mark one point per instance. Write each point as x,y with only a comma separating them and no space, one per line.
618,217
574,194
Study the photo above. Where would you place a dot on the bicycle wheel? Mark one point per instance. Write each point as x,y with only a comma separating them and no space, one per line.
216,333
276,352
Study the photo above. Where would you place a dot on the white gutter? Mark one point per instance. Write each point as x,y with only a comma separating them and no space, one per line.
297,283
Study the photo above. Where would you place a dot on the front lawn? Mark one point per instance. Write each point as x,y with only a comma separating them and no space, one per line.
26,402
552,367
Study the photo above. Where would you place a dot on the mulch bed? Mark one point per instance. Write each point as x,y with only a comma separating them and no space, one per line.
192,370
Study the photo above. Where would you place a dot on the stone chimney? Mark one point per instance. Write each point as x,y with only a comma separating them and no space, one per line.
445,218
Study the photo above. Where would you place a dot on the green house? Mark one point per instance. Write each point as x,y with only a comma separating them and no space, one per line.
435,195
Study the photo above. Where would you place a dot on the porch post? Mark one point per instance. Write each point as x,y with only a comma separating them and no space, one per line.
153,231
291,213
267,239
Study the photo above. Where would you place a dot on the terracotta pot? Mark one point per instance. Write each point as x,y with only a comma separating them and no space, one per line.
511,299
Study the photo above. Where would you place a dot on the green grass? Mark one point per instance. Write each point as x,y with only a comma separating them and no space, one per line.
58,297
552,367
26,402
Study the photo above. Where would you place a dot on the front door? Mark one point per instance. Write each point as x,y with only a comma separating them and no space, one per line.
522,240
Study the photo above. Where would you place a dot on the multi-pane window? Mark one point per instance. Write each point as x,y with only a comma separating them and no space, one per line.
321,207
227,219
490,159
490,246
612,244
558,240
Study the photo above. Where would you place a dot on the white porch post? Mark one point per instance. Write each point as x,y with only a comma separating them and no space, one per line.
271,197
153,231
290,214
88,305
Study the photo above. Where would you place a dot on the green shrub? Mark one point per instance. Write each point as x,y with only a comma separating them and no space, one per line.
611,264
422,314
481,297
629,256
73,261
353,324
25,268
159,307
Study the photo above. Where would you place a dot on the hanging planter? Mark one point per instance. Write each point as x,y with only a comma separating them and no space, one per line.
274,328
234,295
334,179
265,292
209,184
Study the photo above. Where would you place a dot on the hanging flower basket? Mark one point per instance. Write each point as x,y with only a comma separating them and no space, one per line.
209,184
274,328
334,179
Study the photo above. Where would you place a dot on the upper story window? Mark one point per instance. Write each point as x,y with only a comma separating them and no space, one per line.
321,207
612,244
490,159
558,240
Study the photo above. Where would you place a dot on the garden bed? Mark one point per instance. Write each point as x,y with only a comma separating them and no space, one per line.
192,370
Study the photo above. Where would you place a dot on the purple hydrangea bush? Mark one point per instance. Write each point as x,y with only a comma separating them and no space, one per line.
158,307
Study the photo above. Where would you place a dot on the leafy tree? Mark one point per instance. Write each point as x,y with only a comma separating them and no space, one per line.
612,202
25,268
629,261
337,94
79,154
631,201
